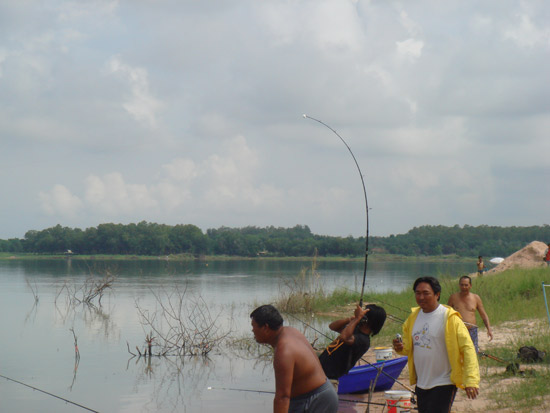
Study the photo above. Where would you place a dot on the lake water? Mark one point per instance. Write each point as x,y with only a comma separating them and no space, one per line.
38,343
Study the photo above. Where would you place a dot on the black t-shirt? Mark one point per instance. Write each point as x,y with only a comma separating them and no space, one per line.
338,358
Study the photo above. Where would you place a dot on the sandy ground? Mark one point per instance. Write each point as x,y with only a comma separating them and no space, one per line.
502,334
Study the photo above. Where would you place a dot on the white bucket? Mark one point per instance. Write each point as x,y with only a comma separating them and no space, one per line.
398,401
383,353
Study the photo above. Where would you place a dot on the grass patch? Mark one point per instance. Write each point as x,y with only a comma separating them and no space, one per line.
302,294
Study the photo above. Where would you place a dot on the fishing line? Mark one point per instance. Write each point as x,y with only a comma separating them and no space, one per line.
49,394
366,203
245,390
272,392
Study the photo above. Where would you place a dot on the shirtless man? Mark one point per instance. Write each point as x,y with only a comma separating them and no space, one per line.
480,266
466,303
300,383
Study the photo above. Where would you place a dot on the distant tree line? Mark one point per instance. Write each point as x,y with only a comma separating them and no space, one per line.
463,241
147,238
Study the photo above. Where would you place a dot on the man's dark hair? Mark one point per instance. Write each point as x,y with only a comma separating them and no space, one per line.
375,318
466,277
436,287
267,314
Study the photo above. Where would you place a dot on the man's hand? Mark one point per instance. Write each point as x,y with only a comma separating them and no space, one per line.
490,334
472,392
397,345
360,313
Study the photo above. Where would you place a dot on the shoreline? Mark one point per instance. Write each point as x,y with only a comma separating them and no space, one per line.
190,257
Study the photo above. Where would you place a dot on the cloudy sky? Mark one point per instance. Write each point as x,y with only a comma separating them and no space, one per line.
181,111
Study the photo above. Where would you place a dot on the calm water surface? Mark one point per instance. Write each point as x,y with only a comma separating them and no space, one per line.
38,344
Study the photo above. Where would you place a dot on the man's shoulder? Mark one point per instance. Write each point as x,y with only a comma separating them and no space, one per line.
287,336
454,295
476,297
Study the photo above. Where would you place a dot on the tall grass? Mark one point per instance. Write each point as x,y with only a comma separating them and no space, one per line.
304,293
512,295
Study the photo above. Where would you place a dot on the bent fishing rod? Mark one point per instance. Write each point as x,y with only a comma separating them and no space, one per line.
366,202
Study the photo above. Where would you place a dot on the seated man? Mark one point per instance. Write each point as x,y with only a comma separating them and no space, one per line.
354,340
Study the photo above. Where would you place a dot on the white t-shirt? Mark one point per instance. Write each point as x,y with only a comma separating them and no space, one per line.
430,352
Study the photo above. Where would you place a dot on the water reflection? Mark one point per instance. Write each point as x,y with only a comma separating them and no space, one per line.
177,382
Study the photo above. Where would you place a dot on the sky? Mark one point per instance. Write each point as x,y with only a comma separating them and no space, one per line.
191,112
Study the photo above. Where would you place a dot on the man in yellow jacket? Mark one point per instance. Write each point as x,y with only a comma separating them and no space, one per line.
441,354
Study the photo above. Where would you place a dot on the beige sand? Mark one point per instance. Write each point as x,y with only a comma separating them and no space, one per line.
530,256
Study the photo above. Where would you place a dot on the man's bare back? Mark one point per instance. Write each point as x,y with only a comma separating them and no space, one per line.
300,382
296,360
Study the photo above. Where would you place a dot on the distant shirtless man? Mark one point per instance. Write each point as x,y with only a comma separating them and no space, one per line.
466,303
480,266
300,383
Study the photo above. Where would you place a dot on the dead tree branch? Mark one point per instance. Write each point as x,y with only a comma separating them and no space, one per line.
182,324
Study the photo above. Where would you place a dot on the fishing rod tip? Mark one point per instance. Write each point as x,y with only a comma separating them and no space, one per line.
304,115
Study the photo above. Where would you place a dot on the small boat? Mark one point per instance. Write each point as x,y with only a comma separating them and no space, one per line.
359,378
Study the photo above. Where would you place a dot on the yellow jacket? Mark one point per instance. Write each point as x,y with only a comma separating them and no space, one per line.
460,349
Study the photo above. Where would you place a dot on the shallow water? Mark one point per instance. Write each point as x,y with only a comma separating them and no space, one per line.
38,345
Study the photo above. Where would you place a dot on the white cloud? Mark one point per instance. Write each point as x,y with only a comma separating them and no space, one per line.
171,196
329,25
232,178
60,201
181,169
526,34
75,10
112,195
142,105
226,180
412,27
410,49
3,55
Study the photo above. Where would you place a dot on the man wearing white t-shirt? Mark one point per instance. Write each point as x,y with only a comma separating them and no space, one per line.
441,354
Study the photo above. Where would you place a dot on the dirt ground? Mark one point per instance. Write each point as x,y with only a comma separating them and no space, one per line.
502,334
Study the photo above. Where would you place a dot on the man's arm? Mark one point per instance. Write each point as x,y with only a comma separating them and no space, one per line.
484,317
470,366
339,325
283,365
451,301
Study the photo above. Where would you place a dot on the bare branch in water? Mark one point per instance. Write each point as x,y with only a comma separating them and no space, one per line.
182,324
34,290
